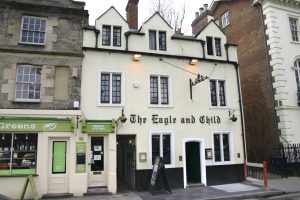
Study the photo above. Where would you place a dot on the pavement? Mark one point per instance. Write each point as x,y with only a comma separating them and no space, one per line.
244,190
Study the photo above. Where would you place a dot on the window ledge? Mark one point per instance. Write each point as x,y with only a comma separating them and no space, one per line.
219,107
27,100
224,163
34,44
111,105
294,42
160,106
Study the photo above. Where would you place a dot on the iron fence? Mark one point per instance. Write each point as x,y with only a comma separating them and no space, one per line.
283,160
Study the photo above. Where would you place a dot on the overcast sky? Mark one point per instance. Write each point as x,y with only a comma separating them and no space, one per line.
97,7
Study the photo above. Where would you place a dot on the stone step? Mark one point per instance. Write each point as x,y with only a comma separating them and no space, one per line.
57,195
92,191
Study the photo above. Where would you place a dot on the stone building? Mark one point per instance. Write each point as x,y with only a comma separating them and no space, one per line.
40,75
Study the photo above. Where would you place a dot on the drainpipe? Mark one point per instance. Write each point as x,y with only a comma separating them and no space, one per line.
97,32
270,73
203,47
241,110
126,37
226,48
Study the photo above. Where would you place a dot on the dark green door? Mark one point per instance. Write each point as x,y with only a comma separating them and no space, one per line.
192,151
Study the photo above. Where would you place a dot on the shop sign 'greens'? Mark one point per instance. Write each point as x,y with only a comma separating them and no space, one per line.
35,125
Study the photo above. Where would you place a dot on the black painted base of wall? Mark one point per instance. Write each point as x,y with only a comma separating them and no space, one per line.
215,175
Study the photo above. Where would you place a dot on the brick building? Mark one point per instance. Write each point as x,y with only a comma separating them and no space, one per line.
242,24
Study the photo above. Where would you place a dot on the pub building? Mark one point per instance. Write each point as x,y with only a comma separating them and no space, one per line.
171,96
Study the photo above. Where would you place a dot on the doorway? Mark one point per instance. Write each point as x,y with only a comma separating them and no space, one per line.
193,169
58,168
96,165
126,161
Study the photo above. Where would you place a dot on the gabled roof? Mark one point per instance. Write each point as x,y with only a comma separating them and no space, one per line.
211,21
156,13
112,7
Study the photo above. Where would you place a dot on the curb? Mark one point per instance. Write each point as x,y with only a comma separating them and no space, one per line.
251,195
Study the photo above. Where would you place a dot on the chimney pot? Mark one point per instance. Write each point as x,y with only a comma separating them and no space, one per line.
205,6
196,14
201,10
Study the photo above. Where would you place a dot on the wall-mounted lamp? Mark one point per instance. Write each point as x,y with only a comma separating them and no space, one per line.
232,117
137,57
193,62
122,118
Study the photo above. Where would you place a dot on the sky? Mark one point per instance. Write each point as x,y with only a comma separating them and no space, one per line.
98,7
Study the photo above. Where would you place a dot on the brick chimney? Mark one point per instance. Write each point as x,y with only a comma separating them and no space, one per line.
132,13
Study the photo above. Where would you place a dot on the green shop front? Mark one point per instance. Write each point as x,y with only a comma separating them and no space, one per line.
59,152
37,146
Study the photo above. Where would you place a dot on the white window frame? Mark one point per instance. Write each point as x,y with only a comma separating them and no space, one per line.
214,50
161,133
297,27
35,18
231,148
159,92
111,36
157,40
22,82
110,95
218,97
225,19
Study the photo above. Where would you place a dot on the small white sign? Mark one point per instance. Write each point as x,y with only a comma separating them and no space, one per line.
97,148
97,157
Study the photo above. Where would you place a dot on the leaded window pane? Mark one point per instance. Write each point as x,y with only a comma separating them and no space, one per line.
106,35
213,93
164,90
222,93
209,45
153,90
155,147
105,88
167,149
226,147
218,46
117,36
116,88
162,41
217,147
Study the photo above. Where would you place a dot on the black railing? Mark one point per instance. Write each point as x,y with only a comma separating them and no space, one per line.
298,95
282,160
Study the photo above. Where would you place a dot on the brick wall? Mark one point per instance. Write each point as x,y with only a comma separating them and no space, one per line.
246,30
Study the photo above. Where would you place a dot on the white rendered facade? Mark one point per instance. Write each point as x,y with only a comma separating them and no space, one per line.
284,45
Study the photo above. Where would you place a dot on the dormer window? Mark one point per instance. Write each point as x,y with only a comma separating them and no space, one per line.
162,40
116,35
213,46
33,30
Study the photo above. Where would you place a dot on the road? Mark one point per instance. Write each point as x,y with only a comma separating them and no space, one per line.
292,196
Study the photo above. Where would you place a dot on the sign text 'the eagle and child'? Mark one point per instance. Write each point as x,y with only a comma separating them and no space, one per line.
156,119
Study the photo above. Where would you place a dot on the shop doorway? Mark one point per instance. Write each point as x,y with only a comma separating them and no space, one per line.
97,175
193,162
126,161
58,168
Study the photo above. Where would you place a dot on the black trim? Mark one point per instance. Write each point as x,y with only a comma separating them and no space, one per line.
158,55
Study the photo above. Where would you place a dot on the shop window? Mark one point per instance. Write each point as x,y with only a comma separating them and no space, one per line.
159,90
221,147
28,83
217,93
294,28
33,30
111,88
18,153
161,147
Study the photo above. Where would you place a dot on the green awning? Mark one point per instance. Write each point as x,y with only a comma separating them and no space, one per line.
98,126
35,124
